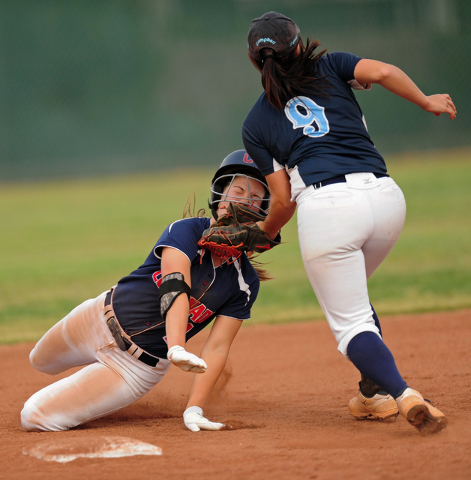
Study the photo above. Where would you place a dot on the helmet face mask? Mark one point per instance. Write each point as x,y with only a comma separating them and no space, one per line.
237,164
220,190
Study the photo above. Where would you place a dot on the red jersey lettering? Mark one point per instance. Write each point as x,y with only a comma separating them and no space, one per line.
157,277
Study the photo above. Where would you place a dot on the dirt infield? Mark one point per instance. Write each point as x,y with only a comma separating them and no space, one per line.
285,391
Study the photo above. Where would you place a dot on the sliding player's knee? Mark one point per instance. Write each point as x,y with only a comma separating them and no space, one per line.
43,364
34,420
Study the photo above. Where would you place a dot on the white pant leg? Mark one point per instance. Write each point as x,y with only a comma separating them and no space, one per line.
74,340
389,211
114,379
345,231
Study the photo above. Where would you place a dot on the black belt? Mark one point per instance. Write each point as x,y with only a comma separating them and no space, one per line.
340,179
124,343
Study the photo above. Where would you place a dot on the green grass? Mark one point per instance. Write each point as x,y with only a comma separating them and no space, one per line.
66,241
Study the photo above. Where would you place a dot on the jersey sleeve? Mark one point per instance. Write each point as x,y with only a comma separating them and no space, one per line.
183,235
240,304
261,156
344,64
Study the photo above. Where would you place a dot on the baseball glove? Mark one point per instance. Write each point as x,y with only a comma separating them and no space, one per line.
237,232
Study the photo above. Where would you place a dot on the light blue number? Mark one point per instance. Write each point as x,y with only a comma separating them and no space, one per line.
313,114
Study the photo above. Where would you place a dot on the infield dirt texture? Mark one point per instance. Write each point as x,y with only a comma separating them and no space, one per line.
285,391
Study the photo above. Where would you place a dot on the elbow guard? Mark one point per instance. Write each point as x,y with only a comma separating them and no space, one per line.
172,285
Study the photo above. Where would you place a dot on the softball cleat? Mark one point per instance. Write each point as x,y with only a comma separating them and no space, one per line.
420,412
381,406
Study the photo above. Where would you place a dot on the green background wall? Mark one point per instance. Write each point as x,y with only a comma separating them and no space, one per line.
114,86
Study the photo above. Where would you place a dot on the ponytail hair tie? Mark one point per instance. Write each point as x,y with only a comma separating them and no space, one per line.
270,55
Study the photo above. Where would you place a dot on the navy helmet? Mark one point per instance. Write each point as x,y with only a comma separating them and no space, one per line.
236,164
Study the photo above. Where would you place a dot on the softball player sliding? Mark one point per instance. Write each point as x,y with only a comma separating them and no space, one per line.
130,335
307,135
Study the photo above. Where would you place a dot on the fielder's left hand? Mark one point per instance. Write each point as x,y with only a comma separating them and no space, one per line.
194,420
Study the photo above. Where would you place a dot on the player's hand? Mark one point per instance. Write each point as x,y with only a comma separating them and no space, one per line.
194,420
441,103
185,360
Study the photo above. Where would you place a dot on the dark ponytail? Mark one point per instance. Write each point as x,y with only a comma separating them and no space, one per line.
286,77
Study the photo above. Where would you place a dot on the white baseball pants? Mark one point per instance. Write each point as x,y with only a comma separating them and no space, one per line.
112,380
345,231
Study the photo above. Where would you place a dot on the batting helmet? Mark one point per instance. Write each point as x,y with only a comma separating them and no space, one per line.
238,163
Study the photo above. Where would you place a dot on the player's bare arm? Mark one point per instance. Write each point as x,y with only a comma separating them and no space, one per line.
396,81
281,206
215,353
177,317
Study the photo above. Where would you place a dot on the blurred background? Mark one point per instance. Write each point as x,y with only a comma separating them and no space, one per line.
116,86
113,113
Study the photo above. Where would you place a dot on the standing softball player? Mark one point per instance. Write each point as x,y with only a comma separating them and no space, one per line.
308,136
130,335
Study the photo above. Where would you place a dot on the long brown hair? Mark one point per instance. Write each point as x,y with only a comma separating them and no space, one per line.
295,74
190,207
189,211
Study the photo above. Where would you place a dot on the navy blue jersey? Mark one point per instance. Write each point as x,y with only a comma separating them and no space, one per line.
314,137
228,290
